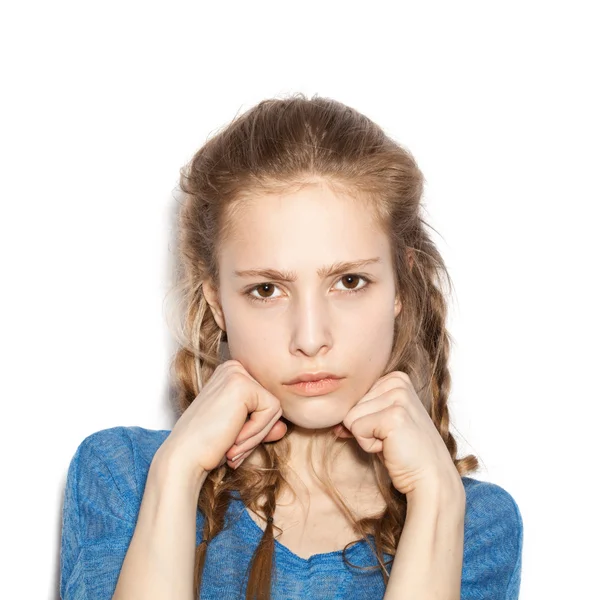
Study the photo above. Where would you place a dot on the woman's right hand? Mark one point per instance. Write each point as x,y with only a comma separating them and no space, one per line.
215,427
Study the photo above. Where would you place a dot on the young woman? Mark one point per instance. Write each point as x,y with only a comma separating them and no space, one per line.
312,457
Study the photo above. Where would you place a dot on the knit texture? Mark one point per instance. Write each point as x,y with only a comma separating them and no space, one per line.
103,493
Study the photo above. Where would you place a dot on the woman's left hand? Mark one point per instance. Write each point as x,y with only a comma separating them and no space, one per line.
390,420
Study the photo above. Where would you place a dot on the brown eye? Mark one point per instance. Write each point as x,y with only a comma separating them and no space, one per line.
351,281
266,288
263,292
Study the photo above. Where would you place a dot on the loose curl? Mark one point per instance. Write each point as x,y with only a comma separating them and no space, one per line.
277,146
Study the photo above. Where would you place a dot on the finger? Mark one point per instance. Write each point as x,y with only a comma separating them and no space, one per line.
395,393
256,423
261,406
238,367
234,464
371,430
383,384
367,407
239,462
277,432
245,372
342,431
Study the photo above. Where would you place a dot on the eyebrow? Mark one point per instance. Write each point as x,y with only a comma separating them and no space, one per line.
338,268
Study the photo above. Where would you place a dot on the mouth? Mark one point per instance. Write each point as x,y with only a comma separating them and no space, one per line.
307,377
316,387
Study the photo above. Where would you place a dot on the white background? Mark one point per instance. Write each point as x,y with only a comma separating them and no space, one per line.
102,103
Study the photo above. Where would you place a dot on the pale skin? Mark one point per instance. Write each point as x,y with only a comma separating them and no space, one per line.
312,321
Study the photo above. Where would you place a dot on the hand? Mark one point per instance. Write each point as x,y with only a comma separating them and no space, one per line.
390,420
203,437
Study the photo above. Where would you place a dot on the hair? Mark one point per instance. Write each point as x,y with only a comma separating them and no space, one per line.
278,145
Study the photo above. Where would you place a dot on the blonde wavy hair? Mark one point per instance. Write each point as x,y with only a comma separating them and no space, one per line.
279,145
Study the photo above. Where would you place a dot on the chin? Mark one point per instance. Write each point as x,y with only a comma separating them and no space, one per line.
313,416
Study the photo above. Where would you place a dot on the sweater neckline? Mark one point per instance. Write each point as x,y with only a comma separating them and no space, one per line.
355,553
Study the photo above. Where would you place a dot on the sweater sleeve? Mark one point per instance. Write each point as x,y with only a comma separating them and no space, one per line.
99,515
493,545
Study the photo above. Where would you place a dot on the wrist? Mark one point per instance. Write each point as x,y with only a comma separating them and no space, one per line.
443,491
167,465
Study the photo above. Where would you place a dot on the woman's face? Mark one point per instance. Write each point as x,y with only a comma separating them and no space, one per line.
314,321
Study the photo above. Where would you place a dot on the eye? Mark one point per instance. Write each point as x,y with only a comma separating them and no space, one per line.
264,291
351,282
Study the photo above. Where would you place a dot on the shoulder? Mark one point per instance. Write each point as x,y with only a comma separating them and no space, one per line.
488,501
117,458
484,497
493,540
120,444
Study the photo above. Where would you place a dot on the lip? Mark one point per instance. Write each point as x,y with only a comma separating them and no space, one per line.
312,377
318,387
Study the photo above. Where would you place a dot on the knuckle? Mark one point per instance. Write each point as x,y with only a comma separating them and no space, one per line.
398,414
237,378
230,364
402,376
401,381
397,396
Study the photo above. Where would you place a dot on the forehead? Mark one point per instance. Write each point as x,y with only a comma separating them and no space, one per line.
314,225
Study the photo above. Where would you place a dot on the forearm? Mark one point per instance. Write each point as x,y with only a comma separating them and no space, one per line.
428,560
159,563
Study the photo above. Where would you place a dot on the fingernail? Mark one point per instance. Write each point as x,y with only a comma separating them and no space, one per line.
236,457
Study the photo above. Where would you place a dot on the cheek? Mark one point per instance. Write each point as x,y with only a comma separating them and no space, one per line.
372,344
248,341
252,342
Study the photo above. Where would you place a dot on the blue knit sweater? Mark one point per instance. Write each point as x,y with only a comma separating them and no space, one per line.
104,489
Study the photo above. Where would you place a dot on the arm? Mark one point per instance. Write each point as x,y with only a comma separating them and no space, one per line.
428,560
159,563
493,543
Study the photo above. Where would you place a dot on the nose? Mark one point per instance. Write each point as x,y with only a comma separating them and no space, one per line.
311,327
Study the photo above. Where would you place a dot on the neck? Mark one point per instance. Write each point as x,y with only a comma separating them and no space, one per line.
351,468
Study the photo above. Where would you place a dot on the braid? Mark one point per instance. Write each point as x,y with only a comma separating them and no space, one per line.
261,567
206,337
212,502
194,363
435,340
